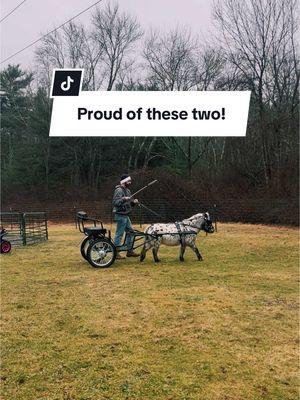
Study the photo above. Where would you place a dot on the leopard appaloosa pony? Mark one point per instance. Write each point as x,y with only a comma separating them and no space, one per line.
181,234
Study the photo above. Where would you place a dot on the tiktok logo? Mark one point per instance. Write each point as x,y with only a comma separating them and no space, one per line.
65,86
66,82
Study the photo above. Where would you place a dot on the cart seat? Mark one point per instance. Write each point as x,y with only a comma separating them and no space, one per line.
94,231
82,215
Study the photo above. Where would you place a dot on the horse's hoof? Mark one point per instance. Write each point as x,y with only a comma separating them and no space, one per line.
157,261
142,259
181,259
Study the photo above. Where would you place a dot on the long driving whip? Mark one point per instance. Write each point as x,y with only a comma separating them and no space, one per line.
143,188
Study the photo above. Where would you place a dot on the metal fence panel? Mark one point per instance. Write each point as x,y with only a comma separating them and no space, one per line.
12,222
25,228
35,225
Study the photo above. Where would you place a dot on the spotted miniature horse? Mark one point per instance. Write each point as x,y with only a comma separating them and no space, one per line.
182,233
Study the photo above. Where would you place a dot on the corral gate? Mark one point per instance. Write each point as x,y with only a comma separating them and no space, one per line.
25,228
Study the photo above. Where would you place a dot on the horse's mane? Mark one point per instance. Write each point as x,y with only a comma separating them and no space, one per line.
193,217
196,216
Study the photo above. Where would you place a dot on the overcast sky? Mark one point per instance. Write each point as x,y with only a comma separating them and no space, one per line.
36,17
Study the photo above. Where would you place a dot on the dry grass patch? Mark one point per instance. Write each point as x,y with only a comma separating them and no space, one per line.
226,328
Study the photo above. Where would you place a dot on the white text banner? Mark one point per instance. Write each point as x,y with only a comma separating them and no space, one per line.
156,113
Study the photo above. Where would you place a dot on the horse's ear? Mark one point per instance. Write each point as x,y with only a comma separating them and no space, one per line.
206,215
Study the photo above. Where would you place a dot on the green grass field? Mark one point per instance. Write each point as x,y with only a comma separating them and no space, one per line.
225,328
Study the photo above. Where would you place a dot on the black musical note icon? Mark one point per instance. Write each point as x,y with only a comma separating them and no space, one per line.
66,82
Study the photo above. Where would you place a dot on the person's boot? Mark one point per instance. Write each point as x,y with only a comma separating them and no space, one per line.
131,253
119,257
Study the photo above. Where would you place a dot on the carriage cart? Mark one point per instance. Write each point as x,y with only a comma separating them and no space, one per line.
98,247
100,251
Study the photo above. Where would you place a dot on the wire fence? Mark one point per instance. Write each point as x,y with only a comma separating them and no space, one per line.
263,211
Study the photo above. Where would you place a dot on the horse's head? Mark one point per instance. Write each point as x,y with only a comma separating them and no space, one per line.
202,221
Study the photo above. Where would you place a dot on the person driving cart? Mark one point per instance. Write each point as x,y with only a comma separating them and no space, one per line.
122,207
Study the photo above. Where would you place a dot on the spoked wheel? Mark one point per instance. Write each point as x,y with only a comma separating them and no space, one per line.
84,247
5,246
101,253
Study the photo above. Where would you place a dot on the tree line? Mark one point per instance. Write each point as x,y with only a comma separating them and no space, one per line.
253,48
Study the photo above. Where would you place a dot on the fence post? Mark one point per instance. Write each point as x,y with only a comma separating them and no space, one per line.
46,225
215,209
74,213
23,229
10,209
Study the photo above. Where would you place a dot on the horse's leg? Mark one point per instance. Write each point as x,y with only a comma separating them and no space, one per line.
182,250
198,254
143,254
155,250
193,246
147,245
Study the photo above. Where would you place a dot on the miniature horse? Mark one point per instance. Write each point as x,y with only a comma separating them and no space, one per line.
182,233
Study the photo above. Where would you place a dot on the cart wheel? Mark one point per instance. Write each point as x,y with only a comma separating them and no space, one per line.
101,253
84,247
5,246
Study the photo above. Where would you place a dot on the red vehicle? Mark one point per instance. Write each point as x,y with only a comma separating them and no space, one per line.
4,244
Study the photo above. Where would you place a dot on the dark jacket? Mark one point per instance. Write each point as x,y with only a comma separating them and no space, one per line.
121,206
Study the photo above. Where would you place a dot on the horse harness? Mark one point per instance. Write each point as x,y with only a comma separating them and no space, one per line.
179,232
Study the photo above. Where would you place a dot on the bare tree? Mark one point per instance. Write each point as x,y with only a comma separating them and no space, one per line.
170,59
258,39
115,33
175,62
210,64
72,47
